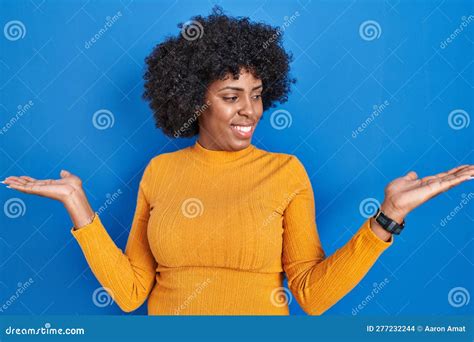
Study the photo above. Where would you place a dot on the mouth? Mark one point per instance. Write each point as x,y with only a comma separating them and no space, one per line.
243,131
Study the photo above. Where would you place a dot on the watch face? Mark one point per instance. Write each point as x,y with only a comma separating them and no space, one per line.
382,220
389,225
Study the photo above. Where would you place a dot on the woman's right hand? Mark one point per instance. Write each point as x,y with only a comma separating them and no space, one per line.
68,190
58,189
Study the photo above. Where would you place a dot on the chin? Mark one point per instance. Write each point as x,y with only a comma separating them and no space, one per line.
240,144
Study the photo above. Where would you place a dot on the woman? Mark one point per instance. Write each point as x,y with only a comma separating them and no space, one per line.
218,223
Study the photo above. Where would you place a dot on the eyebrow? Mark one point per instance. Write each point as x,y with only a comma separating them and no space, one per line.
240,89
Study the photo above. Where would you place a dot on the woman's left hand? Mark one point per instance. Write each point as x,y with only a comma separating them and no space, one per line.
404,194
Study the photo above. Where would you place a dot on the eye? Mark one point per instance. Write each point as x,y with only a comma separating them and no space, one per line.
256,97
230,98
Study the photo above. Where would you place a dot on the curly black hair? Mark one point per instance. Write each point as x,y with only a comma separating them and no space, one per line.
180,69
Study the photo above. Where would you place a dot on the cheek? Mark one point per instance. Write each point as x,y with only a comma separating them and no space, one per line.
223,113
259,109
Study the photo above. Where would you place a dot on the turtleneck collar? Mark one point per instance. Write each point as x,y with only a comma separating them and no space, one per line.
219,156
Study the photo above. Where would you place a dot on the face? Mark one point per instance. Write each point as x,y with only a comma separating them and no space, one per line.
235,107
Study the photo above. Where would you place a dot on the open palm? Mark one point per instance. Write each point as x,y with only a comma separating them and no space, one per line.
406,193
58,189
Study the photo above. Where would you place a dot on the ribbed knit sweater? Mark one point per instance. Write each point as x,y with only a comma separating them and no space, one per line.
214,232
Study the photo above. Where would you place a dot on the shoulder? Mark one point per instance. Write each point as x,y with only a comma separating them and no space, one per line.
278,159
161,160
288,169
286,164
288,160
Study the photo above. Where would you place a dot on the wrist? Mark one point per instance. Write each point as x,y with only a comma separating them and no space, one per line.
74,198
392,213
379,231
79,209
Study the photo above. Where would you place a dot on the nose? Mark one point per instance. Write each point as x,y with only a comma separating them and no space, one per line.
247,108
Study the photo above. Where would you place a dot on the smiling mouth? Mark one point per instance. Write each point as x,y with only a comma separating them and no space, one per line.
243,131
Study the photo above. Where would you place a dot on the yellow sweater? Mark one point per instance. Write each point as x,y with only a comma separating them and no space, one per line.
213,232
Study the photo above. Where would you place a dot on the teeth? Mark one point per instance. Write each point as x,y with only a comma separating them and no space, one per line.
245,129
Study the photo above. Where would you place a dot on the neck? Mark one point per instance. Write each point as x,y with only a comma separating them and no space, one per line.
212,145
220,156
209,144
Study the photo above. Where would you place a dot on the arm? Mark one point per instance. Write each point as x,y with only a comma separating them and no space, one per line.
128,277
317,281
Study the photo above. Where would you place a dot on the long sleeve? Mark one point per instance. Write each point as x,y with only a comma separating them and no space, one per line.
316,281
128,277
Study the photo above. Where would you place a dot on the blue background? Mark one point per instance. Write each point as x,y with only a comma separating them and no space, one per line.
340,78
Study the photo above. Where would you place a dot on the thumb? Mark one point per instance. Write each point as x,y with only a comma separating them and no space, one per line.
64,173
411,175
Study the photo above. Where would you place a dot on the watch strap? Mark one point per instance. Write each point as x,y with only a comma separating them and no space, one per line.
387,223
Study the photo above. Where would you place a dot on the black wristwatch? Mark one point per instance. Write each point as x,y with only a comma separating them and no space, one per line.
387,223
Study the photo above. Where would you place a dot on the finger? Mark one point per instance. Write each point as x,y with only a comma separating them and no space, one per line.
64,173
462,167
411,175
457,170
470,172
6,180
467,170
27,178
428,178
18,180
41,182
23,181
461,173
459,180
442,174
29,188
14,181
21,187
452,180
24,178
